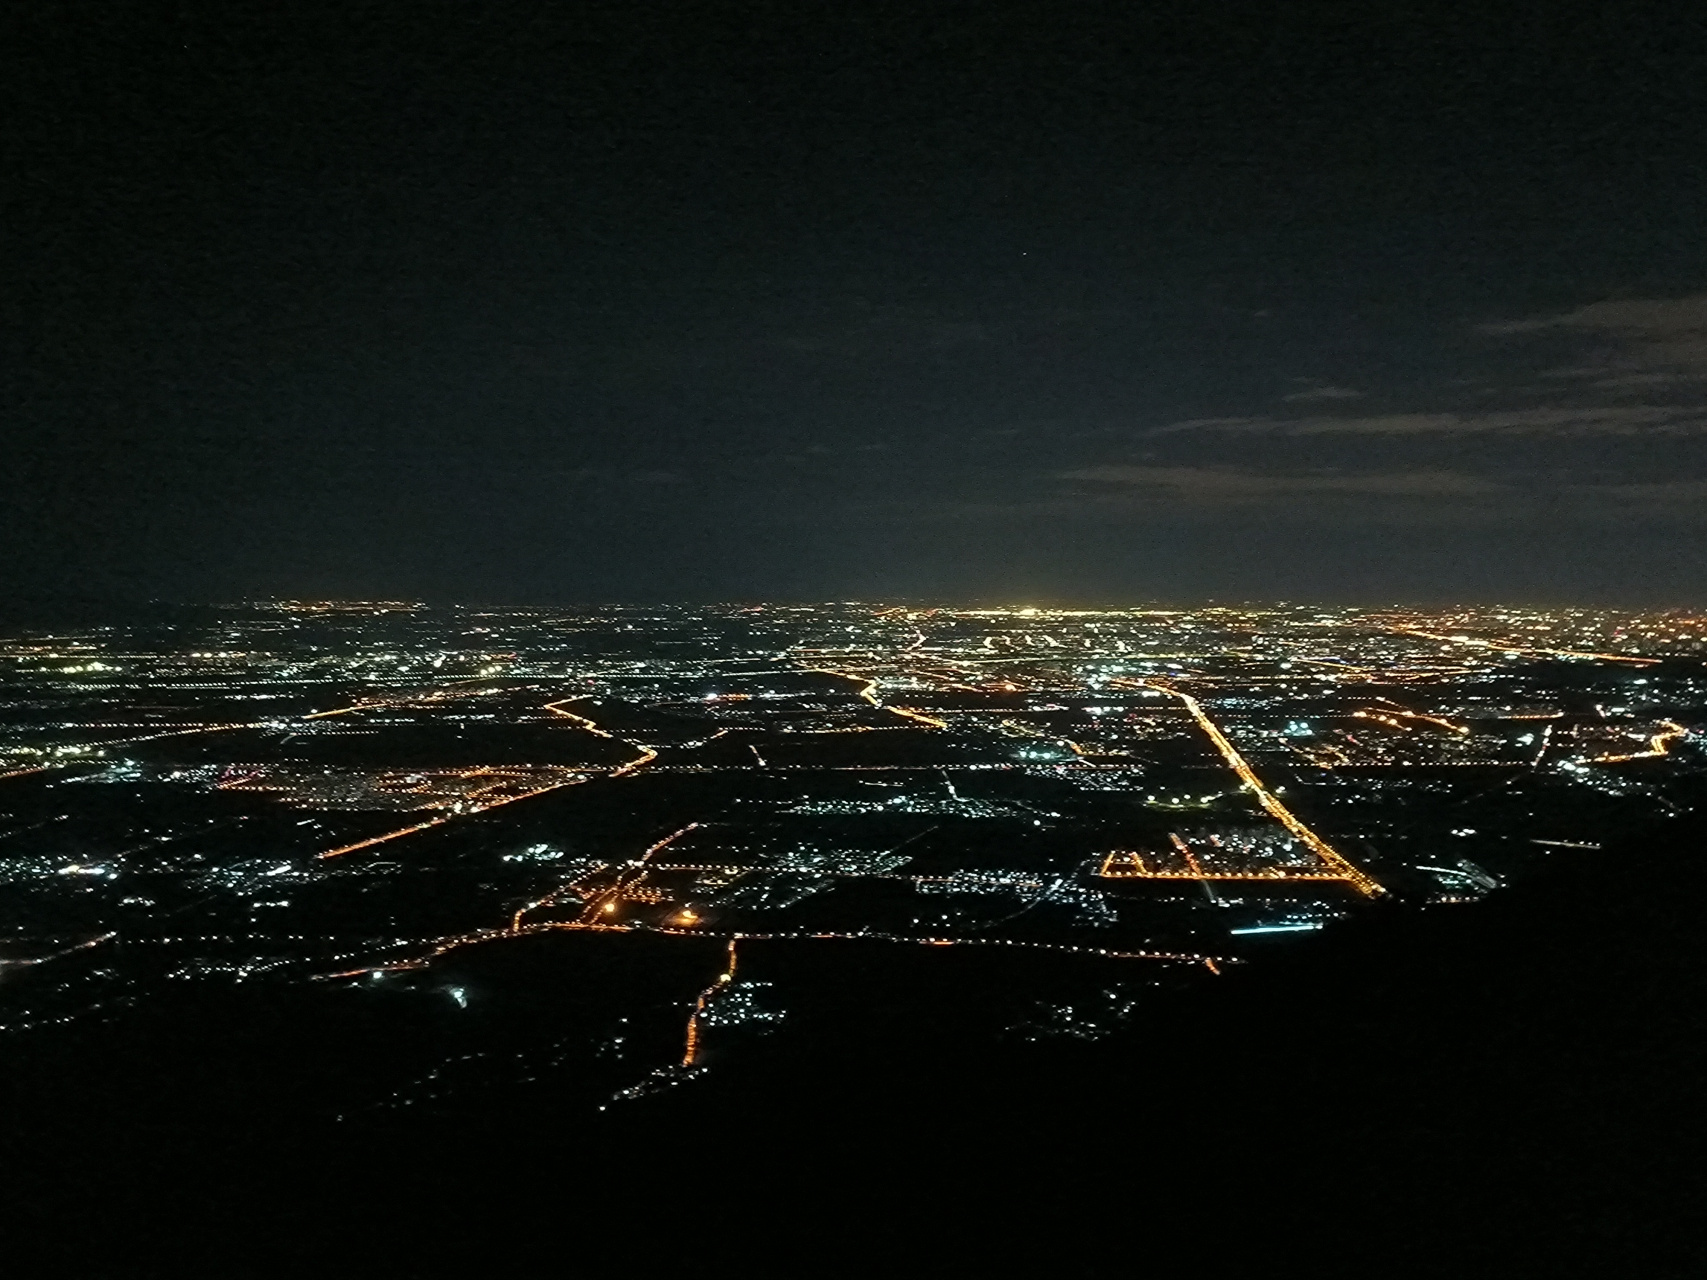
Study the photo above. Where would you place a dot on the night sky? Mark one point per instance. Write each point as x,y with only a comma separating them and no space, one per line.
1063,302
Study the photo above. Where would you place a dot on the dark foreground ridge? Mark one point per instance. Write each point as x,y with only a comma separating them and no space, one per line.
1418,1090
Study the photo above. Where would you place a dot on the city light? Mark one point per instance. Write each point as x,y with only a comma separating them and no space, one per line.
1137,787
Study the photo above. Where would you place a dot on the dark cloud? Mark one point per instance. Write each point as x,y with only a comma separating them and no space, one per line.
1642,342
1225,485
1325,392
1615,420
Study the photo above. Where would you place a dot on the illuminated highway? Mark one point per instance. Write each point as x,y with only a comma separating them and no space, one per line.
1270,803
1658,745
646,756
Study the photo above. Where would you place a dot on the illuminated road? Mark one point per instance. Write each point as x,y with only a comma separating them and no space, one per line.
444,946
1393,709
930,722
1516,648
1658,745
55,955
868,692
1113,868
605,904
1270,803
647,755
34,768
365,705
690,1052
